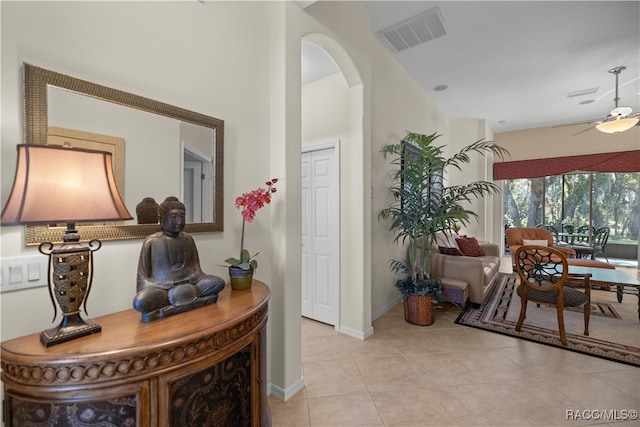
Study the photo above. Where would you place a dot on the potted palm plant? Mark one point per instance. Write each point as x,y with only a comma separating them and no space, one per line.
422,206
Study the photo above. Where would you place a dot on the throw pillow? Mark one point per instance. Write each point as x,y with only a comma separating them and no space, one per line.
449,251
469,246
526,242
446,240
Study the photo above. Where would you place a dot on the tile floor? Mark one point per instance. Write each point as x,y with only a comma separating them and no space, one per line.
451,375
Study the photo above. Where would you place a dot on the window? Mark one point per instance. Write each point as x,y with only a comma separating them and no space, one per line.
577,199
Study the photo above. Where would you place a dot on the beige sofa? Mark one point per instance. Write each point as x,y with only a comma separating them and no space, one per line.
477,272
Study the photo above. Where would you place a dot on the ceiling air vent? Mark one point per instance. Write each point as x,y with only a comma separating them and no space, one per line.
421,28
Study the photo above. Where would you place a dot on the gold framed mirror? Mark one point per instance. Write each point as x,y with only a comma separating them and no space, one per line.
37,84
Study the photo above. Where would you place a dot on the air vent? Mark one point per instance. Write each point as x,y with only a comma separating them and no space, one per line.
582,92
421,28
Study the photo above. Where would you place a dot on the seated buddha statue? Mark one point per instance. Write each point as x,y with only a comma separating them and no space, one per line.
170,279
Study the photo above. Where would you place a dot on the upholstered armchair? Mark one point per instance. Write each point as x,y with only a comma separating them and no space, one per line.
516,236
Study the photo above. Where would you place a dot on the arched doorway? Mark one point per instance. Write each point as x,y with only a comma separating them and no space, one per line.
334,109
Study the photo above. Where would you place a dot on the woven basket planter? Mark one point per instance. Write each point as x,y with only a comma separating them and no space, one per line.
418,310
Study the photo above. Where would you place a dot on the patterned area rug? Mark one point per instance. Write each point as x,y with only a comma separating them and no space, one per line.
612,336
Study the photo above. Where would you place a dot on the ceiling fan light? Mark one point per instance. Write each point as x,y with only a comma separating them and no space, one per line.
618,125
621,111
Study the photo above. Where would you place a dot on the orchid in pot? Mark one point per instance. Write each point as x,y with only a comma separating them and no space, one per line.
241,269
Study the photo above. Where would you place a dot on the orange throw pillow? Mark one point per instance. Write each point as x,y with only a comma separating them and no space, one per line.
469,246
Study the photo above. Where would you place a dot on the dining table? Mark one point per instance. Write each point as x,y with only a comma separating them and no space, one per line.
570,238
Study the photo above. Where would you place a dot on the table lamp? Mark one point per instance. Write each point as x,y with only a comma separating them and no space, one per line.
55,184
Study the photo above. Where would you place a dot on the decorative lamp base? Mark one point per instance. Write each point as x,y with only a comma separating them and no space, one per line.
71,327
240,279
70,274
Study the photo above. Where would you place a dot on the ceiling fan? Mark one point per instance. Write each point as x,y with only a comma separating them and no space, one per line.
620,118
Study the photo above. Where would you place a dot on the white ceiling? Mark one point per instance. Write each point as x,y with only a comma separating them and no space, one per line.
513,63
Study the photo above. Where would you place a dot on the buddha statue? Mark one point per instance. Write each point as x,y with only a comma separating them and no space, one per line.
170,279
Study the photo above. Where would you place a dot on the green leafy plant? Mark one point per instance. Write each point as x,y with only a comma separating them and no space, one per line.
423,205
245,262
421,286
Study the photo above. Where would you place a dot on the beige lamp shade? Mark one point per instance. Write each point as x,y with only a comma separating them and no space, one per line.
56,184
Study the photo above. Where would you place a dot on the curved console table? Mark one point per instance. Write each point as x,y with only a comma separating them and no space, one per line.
202,367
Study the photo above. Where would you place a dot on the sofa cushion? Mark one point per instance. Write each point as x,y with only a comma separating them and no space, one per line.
490,267
446,240
469,246
527,242
449,251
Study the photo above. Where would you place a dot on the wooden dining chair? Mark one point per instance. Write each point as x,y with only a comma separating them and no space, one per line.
584,229
550,228
600,239
543,272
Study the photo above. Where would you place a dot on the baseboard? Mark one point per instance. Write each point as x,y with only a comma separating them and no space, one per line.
386,308
356,334
288,393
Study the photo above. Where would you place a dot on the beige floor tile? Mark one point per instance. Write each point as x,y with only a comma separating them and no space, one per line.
493,366
311,328
472,399
494,419
533,397
542,360
627,380
452,375
591,393
413,407
629,423
443,369
294,412
378,345
332,378
349,410
326,347
387,373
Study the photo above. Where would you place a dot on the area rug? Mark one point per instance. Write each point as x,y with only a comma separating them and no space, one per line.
613,327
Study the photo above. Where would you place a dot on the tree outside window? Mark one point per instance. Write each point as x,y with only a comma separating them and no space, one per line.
567,199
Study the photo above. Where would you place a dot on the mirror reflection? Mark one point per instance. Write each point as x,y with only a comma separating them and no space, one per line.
159,150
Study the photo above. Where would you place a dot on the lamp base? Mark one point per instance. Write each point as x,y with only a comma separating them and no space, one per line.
71,327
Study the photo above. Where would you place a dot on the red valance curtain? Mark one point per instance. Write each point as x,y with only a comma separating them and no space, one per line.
622,161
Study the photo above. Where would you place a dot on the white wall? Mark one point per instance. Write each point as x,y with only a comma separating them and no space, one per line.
399,108
463,133
325,110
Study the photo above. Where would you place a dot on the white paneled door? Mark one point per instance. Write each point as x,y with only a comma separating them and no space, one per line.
192,191
320,235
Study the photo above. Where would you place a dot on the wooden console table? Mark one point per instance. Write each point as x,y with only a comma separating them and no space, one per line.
202,367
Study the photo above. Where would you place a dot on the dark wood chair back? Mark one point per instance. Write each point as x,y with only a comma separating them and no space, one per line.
543,272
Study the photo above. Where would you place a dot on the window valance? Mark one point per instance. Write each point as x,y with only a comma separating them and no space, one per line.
622,161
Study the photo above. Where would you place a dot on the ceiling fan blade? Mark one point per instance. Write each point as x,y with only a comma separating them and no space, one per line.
583,131
578,123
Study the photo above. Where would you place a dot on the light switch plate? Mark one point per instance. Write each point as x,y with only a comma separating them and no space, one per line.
23,272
